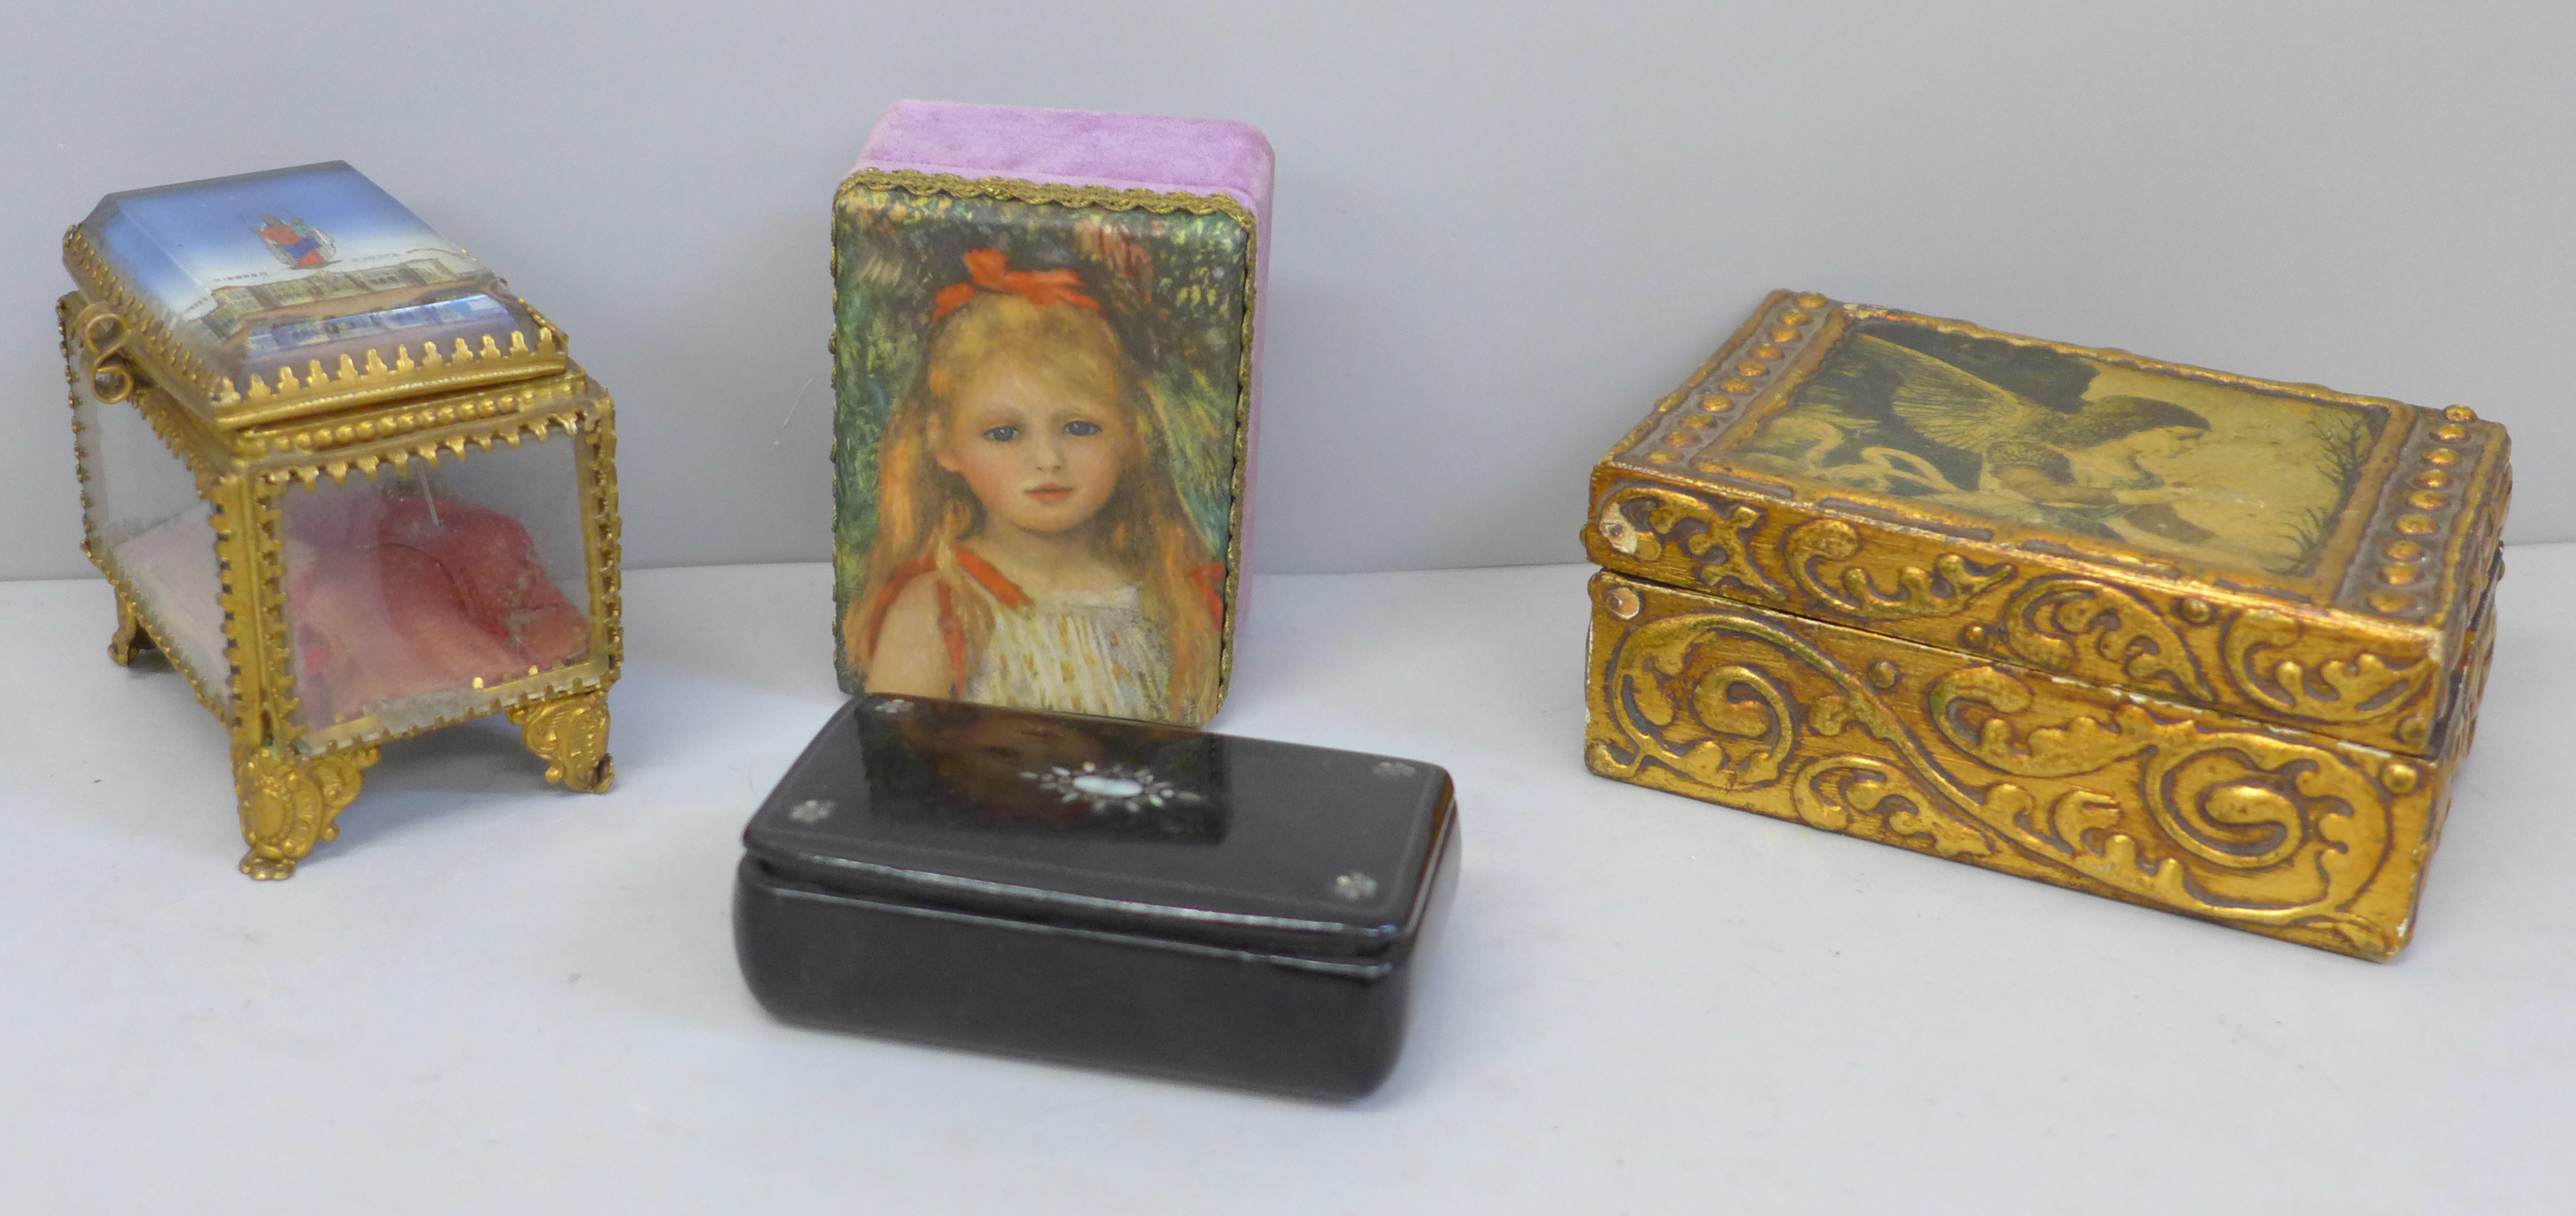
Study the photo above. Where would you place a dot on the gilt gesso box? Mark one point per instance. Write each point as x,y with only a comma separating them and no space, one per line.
1045,357
1118,894
2192,640
345,481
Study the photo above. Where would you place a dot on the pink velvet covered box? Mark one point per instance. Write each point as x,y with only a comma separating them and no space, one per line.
1046,352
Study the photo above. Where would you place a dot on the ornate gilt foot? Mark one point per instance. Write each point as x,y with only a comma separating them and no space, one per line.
288,805
131,638
571,736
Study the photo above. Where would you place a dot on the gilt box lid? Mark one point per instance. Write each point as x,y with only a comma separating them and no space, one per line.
1125,826
2283,551
296,292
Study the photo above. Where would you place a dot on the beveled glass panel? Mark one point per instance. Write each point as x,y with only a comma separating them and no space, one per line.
411,592
156,533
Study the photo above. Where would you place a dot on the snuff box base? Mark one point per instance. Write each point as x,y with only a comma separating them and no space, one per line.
1316,1028
1097,892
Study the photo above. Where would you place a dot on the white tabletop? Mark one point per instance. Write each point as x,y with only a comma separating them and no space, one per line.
490,995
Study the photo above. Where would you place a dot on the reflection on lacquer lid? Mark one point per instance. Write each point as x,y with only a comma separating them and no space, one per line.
958,766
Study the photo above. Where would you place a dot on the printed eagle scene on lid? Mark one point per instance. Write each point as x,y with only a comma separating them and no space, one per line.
2210,474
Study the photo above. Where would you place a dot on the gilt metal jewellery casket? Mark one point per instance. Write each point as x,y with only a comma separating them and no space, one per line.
346,482
2196,641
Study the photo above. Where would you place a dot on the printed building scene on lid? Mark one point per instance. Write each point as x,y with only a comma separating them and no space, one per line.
294,291
1046,389
2196,640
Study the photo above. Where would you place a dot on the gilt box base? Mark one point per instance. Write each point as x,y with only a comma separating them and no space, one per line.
2267,829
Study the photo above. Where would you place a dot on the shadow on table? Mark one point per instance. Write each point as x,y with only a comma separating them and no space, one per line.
471,769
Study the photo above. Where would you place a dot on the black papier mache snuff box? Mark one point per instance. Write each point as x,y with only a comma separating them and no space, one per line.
1099,892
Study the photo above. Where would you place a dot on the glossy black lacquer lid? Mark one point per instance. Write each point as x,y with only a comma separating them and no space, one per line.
1108,824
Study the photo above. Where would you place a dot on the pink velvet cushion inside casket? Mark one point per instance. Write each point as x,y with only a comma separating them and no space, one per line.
1090,148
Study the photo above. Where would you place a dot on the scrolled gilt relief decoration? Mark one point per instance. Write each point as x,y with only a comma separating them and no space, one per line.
2099,633
2167,806
1659,526
2259,647
1942,590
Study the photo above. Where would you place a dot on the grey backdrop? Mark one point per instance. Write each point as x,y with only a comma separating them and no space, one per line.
1502,229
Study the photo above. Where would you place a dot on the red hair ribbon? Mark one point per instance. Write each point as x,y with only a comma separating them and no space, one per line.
988,270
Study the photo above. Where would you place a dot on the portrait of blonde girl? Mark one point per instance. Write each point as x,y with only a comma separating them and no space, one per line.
1030,545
